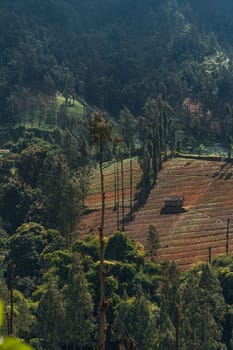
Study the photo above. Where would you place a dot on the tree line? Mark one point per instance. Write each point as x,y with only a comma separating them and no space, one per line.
149,305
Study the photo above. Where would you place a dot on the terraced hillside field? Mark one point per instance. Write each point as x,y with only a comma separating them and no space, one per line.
91,221
207,187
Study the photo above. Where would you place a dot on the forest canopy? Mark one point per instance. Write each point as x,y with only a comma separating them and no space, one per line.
115,54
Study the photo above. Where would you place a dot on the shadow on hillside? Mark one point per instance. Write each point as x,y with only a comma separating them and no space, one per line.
142,196
169,211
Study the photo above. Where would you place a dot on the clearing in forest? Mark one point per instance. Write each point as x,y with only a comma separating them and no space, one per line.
207,188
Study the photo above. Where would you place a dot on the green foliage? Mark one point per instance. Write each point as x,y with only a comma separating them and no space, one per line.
128,128
100,132
114,64
168,302
51,314
56,263
40,184
224,268
125,273
74,108
153,242
1,313
201,149
89,246
167,332
14,344
25,249
135,319
202,305
157,137
62,195
23,317
11,343
80,322
30,162
120,247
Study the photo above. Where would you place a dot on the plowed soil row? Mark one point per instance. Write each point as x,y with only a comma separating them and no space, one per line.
207,187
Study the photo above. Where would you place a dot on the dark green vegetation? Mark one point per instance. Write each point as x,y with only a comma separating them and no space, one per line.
11,343
114,54
142,297
162,70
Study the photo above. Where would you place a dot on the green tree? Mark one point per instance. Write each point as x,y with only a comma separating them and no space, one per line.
223,266
167,332
156,129
201,149
10,343
128,128
25,251
202,310
135,319
56,263
153,135
120,247
145,163
80,322
169,300
229,128
153,242
62,195
30,162
23,317
87,247
50,316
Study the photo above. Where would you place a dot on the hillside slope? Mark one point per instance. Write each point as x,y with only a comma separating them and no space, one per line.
186,237
115,53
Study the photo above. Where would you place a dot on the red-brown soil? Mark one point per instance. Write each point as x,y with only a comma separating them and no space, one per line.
207,187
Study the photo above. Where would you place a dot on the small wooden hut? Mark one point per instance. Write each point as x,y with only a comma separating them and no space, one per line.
173,205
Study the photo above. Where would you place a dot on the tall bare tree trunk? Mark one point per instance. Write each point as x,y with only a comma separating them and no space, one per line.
227,237
131,189
101,133
103,303
115,187
118,200
122,196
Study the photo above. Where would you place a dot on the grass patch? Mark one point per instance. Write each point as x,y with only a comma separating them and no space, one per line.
109,168
76,109
45,118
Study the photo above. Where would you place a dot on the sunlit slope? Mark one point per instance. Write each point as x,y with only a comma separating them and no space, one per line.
207,187
91,221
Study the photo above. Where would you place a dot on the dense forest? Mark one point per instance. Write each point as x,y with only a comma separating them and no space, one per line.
116,53
81,83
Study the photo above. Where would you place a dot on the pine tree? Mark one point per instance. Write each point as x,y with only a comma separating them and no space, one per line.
51,317
202,311
153,242
128,127
79,320
229,128
169,299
